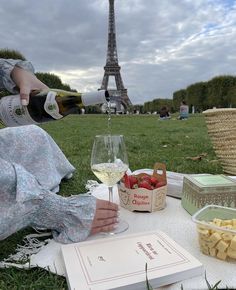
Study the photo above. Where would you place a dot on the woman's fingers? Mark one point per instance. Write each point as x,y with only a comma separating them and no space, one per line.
108,228
105,222
106,217
107,205
105,214
24,95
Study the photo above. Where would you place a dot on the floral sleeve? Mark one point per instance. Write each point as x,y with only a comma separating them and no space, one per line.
6,67
23,203
29,179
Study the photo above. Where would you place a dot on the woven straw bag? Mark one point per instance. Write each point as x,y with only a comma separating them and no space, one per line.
221,125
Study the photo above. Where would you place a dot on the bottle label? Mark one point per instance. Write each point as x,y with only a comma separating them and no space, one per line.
12,113
51,106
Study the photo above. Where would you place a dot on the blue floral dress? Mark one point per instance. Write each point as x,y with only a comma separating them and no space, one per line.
31,169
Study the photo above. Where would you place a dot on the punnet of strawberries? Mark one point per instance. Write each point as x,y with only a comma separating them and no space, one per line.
143,181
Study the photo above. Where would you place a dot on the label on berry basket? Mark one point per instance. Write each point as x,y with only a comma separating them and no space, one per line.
141,199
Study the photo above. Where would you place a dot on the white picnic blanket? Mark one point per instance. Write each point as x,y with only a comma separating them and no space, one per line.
173,220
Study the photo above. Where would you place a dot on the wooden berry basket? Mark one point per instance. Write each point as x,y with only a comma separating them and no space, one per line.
143,199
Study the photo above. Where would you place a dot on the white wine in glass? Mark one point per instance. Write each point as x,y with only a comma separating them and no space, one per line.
109,162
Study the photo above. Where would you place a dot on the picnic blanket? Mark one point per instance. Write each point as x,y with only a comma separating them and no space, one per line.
173,220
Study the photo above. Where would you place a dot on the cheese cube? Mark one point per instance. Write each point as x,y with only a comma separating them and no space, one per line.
211,244
218,242
221,255
213,252
222,246
233,243
226,222
217,222
227,236
202,238
215,238
204,250
206,243
231,253
228,227
204,232
201,242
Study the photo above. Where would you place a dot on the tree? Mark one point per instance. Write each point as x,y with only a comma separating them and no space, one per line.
178,97
157,104
53,81
196,95
231,95
147,107
11,53
218,91
138,108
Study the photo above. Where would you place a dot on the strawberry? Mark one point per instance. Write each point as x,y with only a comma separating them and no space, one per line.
146,178
126,180
145,184
132,181
153,181
160,184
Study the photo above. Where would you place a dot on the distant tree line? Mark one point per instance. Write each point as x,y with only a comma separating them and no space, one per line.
154,106
219,92
157,104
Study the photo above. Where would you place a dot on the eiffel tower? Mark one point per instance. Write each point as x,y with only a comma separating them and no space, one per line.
112,68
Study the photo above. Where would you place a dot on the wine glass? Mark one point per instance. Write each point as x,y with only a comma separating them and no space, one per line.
109,162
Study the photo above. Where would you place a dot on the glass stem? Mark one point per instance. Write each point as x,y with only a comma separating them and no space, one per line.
110,188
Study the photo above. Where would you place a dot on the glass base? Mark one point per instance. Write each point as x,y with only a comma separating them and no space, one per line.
121,227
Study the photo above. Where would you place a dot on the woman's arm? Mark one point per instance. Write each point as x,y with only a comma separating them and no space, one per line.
17,76
24,202
6,67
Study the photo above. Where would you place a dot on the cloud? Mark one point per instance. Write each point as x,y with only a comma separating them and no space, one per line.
162,45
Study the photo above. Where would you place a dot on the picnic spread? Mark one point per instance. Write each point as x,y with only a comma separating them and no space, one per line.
174,220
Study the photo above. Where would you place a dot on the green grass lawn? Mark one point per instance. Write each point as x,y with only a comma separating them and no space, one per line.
148,140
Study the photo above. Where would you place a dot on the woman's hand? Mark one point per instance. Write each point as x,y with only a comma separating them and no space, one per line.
26,82
106,217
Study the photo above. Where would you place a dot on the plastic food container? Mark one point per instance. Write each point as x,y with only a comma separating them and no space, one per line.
216,227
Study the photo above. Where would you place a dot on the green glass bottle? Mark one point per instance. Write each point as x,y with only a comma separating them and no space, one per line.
46,105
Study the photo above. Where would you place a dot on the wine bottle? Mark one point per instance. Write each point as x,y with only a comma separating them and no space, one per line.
46,105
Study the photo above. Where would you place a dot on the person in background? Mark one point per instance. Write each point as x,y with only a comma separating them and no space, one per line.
193,109
164,113
32,167
183,111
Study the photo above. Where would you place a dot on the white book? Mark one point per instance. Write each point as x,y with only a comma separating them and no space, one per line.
119,262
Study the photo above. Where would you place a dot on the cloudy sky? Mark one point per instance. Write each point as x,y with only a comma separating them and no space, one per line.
163,45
